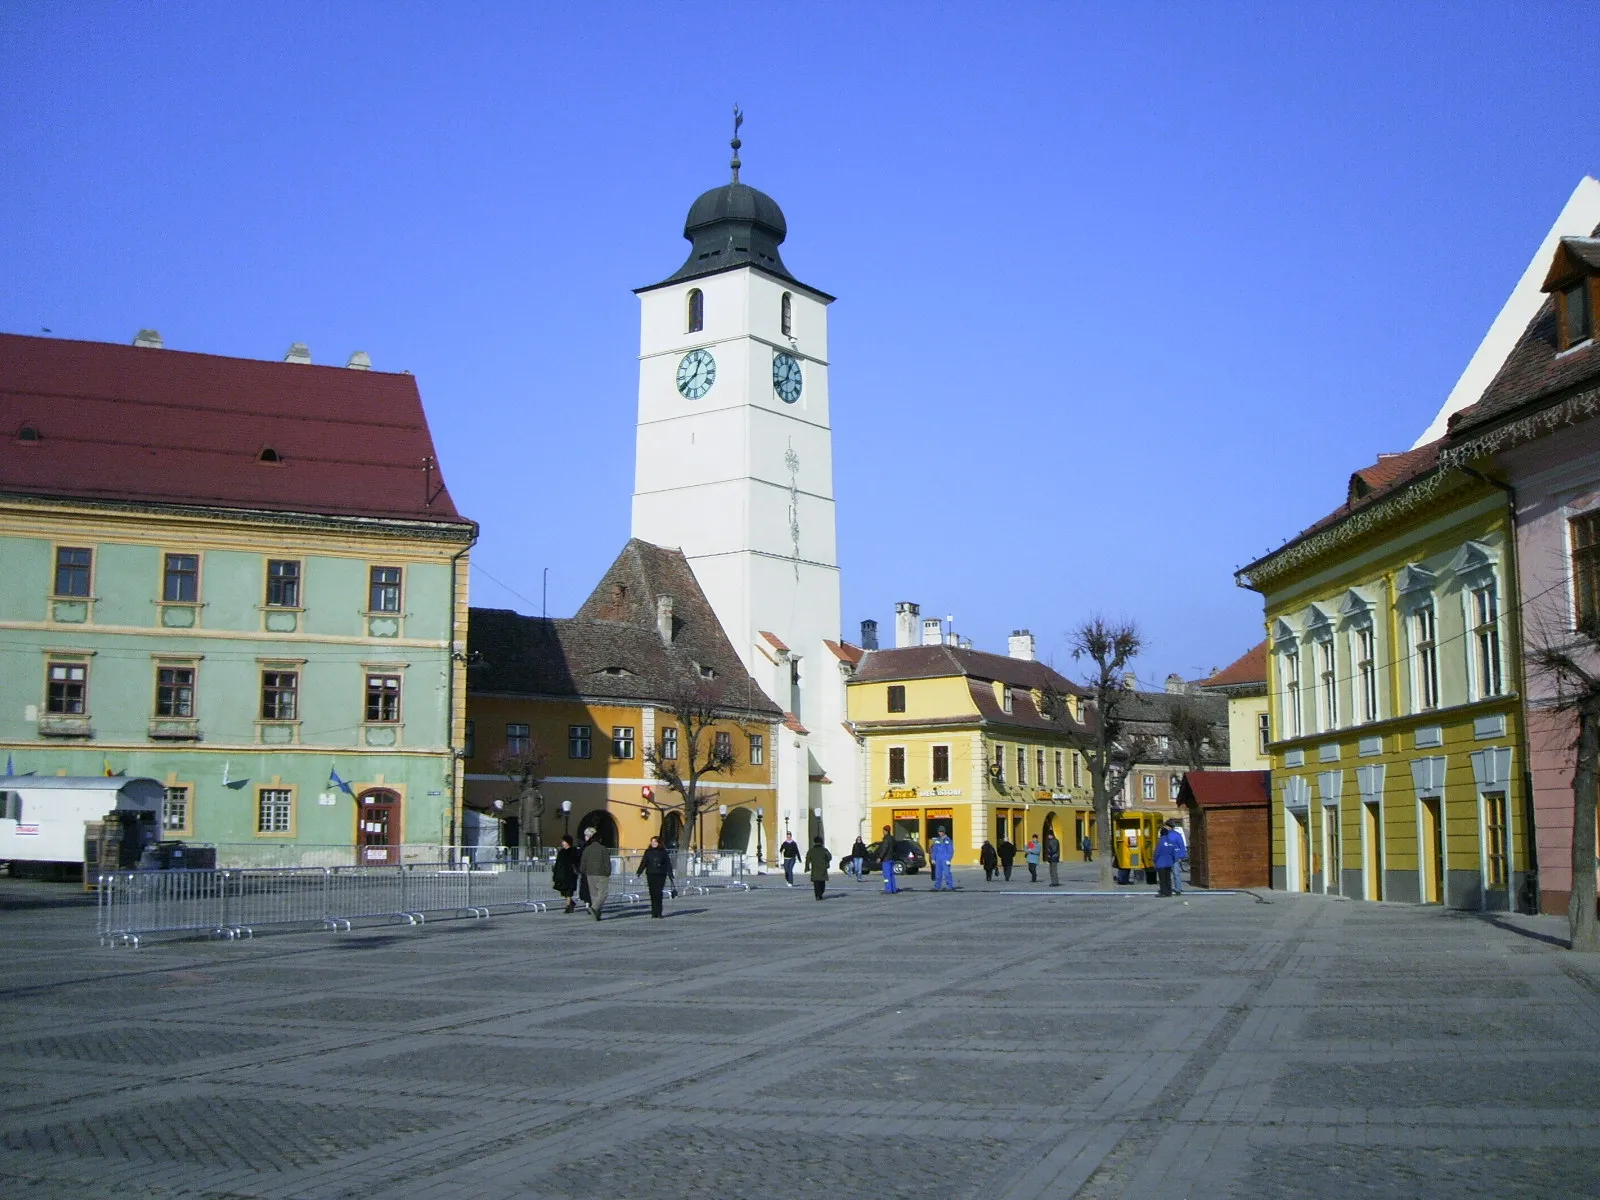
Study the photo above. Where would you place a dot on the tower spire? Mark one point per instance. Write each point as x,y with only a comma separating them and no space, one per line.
738,120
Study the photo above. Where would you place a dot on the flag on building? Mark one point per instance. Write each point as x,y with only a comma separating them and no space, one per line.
335,781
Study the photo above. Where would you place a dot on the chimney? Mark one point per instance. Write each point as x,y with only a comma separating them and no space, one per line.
360,361
298,353
1175,685
1130,681
964,644
869,634
932,631
664,619
1021,645
905,623
150,339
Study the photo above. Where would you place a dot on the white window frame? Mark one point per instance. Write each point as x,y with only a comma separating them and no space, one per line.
1327,684
1423,619
1486,675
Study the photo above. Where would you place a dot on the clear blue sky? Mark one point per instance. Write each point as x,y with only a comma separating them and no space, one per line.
1125,292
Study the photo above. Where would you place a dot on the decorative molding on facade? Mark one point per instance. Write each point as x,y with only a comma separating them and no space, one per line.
1580,407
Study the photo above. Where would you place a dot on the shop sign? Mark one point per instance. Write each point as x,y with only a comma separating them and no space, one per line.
944,791
905,814
938,814
909,793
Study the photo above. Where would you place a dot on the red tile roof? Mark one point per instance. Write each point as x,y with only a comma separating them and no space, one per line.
1250,667
1225,789
774,641
127,423
844,651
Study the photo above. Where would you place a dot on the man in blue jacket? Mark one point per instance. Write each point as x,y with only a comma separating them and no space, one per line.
942,851
1166,858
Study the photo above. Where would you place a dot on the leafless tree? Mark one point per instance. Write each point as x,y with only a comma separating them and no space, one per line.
525,769
1190,730
1566,662
696,706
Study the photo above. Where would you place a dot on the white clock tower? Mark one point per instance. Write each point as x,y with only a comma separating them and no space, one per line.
735,466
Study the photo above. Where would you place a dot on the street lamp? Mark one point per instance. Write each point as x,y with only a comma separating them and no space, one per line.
566,817
761,861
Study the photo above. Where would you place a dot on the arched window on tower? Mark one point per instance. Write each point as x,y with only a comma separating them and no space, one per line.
697,310
786,317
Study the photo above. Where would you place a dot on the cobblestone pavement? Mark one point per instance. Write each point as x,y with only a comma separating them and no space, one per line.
1009,1042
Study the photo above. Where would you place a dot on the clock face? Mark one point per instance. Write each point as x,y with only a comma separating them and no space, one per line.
696,373
786,378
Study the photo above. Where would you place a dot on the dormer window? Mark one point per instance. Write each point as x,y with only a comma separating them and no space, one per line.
1575,313
269,455
27,434
697,310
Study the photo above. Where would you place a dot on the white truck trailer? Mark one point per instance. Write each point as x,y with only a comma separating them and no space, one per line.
42,818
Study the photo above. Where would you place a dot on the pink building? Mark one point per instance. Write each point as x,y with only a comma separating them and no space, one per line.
1536,430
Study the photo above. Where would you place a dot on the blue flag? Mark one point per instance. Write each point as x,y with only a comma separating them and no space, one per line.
10,769
335,781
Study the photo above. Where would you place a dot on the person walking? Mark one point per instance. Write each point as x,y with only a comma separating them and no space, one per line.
655,864
1166,858
817,860
1182,840
1006,851
595,864
1087,846
791,856
988,860
1052,856
886,861
1031,854
942,851
564,872
857,862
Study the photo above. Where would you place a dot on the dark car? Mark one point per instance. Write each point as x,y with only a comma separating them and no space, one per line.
908,859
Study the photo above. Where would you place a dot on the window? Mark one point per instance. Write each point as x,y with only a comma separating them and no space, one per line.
1263,732
174,691
579,741
1038,766
470,745
1022,766
175,809
280,693
1149,787
1061,777
274,810
1425,654
1077,771
283,583
383,698
181,582
622,741
1328,686
384,593
67,688
999,769
1585,531
1174,782
1494,828
786,314
941,764
669,744
897,697
1577,314
1291,692
72,571
697,310
758,749
897,764
724,745
1005,705
1366,674
1486,640
519,740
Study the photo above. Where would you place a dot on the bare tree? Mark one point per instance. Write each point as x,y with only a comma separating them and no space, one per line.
525,769
1561,660
1190,729
1108,647
701,750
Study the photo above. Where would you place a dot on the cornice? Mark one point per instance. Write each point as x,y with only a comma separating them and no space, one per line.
1581,406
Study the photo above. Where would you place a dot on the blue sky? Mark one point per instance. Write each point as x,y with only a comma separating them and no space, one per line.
1125,292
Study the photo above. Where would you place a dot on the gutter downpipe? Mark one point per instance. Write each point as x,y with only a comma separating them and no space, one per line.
1530,832
456,787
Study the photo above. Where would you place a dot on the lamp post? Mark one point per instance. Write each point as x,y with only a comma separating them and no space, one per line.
566,817
761,861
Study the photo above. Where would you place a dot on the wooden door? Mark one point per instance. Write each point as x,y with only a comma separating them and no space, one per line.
1303,832
378,829
1430,849
1333,859
1373,864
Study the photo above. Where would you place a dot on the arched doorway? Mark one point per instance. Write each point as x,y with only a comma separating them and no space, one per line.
378,827
735,832
602,823
671,829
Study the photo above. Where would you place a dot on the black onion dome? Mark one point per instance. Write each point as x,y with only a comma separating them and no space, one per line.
731,226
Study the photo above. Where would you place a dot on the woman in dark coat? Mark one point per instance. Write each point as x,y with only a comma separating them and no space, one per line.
655,864
988,860
564,872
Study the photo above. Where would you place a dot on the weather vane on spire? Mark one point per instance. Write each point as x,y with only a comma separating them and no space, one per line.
738,120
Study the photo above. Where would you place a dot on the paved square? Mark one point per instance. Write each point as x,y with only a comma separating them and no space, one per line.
1006,1042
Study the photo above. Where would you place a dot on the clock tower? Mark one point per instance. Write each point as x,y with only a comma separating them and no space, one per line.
734,465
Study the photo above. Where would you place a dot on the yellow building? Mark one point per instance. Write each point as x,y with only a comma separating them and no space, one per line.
1244,683
1397,759
955,737
572,708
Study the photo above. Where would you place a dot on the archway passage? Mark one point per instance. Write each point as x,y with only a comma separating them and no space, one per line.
671,829
735,832
602,823
378,827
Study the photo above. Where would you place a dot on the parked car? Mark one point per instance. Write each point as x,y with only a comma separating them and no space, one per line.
909,858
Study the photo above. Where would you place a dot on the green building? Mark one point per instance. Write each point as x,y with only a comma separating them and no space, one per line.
242,579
